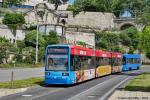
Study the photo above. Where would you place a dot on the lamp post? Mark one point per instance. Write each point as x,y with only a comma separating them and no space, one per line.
39,11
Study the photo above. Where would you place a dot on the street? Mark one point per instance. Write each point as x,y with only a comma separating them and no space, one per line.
96,89
5,74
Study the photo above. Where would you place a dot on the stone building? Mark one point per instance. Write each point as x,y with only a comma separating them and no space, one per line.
53,21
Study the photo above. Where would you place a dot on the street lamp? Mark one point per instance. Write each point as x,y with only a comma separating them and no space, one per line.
39,11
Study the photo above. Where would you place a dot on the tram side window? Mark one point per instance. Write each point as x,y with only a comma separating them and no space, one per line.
97,61
105,61
134,60
116,61
120,61
72,63
131,61
124,60
139,60
77,63
87,62
81,63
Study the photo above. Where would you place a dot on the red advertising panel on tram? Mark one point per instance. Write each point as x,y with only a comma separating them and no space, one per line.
82,51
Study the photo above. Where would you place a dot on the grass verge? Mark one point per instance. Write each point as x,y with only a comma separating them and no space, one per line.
21,65
140,83
22,83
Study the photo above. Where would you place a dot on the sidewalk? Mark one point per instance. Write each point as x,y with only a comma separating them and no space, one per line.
24,73
5,92
129,95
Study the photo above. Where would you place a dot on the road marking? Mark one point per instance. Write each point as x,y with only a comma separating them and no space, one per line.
113,88
48,93
26,95
91,88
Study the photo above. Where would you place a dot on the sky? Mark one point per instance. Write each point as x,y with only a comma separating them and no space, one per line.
71,1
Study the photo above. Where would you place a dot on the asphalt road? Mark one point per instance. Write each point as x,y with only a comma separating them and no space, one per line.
5,74
96,89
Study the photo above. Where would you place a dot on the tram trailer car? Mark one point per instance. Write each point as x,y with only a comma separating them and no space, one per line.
116,62
103,63
131,62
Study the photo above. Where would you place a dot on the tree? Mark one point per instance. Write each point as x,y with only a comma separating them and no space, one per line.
4,46
13,21
52,38
148,55
125,39
145,40
57,2
30,39
75,9
132,37
113,6
144,16
12,2
107,40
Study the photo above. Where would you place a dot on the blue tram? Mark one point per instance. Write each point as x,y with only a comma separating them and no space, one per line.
131,62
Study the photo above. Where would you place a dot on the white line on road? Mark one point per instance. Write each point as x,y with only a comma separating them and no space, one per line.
91,88
26,95
112,89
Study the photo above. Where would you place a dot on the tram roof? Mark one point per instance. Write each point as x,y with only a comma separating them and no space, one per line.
132,55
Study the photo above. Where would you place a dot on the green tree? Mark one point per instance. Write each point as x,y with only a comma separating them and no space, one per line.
4,47
125,39
13,21
57,2
107,40
75,9
30,39
148,55
29,53
114,6
145,40
132,34
6,3
131,50
52,38
143,17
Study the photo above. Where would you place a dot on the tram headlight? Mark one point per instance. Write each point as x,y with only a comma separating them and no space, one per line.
47,73
65,74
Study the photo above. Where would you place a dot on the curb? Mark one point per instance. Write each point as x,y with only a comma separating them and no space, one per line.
6,92
129,95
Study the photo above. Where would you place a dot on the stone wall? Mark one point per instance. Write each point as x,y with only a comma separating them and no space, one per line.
98,20
87,38
5,32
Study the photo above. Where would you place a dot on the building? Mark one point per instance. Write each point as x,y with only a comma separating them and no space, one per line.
76,26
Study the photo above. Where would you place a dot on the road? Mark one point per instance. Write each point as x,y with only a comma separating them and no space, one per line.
5,74
96,89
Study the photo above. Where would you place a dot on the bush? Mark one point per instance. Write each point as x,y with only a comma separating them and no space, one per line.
52,38
107,40
148,55
30,39
131,50
21,44
125,39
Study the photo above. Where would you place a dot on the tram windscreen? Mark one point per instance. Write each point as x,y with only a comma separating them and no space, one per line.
57,59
